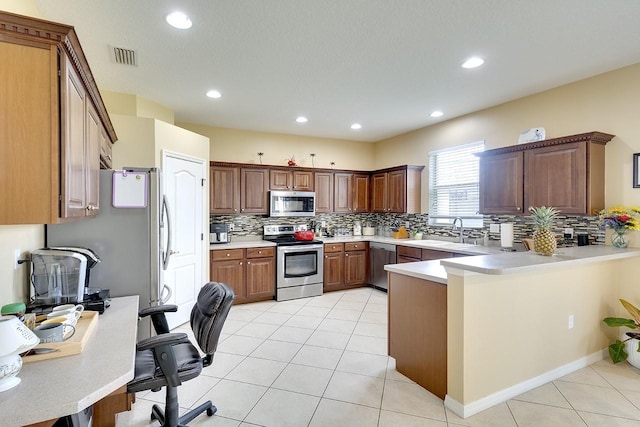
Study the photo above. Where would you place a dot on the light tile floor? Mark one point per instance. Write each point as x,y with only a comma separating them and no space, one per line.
322,362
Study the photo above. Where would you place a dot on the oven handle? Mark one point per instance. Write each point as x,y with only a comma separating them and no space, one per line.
301,248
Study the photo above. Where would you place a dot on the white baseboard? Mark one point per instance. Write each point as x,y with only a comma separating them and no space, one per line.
480,405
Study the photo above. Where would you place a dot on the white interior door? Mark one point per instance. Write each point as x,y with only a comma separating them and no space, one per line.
183,186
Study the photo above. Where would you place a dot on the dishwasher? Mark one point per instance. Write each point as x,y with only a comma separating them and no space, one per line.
380,254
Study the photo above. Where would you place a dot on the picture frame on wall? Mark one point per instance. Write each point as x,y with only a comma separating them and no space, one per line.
636,170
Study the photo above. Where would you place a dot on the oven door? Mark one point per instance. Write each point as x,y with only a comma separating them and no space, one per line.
299,265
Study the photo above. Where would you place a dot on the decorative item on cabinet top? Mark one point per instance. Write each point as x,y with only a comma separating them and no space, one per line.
531,135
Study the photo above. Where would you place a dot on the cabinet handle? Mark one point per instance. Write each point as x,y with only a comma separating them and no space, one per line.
518,208
235,210
91,207
241,263
228,254
346,254
248,262
259,252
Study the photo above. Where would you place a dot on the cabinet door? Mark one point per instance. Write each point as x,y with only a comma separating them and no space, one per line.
224,190
397,191
94,142
429,254
501,183
280,179
355,267
404,259
230,272
360,188
254,185
557,176
324,192
333,270
303,180
261,277
379,192
342,196
73,167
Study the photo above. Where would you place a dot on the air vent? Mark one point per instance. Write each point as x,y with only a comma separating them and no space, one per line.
123,56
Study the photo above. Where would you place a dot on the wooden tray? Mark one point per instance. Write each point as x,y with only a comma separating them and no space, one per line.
85,328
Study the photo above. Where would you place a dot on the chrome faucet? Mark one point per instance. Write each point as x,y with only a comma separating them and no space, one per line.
455,221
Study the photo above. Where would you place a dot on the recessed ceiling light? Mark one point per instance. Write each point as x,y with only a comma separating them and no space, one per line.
473,62
436,114
301,119
356,126
179,20
214,94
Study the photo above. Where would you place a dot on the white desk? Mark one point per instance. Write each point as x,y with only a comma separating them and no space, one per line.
53,388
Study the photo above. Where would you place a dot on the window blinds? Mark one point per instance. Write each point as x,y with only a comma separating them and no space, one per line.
453,185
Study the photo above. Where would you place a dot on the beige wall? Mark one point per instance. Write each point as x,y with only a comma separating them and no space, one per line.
506,329
14,284
133,105
607,103
231,145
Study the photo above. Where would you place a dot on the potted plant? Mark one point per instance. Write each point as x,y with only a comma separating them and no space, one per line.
629,349
417,233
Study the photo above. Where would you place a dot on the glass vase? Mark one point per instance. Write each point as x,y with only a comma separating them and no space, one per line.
617,238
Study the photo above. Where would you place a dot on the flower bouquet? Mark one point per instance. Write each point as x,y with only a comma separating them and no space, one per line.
620,219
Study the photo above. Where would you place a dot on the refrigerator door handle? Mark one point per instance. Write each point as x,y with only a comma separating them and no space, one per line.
162,298
166,256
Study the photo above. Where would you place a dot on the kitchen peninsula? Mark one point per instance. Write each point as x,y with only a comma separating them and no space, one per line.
509,322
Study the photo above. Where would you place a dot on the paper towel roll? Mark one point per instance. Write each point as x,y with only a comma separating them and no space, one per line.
506,235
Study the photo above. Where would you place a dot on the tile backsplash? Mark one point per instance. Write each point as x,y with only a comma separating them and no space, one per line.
523,227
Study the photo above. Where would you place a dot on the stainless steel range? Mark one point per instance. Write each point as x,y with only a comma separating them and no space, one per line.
299,263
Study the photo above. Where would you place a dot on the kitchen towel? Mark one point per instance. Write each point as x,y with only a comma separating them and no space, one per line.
506,235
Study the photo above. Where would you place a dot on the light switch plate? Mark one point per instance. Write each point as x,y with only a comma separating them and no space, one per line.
494,228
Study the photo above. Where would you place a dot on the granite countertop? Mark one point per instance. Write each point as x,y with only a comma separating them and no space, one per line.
57,387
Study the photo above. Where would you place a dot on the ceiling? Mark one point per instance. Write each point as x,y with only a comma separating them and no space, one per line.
386,64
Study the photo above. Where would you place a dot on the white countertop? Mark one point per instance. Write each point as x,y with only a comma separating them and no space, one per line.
57,387
510,262
439,245
425,270
517,262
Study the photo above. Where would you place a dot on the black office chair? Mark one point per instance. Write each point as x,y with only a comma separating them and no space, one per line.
168,359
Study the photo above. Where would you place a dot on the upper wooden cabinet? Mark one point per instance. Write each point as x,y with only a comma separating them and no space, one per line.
324,192
566,173
282,179
234,189
54,122
350,192
224,190
396,190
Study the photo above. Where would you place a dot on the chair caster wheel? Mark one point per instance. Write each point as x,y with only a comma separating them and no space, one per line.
211,411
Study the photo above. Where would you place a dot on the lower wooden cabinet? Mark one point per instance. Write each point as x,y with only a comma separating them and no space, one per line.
345,265
411,254
249,272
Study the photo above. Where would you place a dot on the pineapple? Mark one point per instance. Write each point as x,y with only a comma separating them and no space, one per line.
544,242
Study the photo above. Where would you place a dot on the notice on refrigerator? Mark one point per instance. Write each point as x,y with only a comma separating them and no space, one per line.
129,189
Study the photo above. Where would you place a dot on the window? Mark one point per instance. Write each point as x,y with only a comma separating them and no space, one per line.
453,185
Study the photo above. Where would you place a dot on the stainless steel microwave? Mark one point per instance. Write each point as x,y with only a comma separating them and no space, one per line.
292,203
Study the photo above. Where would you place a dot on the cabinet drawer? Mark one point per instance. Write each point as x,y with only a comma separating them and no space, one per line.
260,252
359,246
333,247
410,252
428,254
222,254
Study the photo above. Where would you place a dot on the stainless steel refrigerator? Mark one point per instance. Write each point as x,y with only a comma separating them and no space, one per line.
130,235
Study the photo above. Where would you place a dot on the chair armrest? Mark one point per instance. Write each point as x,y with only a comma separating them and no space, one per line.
158,318
148,311
164,339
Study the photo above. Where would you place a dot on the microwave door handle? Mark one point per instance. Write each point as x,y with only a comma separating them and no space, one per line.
168,251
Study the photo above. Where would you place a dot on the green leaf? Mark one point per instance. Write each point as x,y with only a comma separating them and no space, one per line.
619,321
617,353
633,310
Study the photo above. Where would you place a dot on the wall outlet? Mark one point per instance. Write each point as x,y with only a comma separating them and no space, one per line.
494,228
568,233
232,227
570,321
